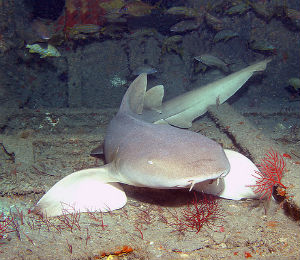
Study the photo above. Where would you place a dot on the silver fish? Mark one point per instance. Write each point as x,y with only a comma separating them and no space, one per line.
225,35
261,45
186,25
238,9
144,69
212,61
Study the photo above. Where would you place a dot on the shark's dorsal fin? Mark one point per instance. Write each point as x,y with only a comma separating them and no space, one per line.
133,100
153,98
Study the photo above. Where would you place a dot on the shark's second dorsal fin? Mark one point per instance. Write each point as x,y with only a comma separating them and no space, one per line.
153,98
133,100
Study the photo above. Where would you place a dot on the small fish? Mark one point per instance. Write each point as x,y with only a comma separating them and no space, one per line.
293,17
172,44
186,25
295,83
238,9
173,39
51,51
115,17
261,45
144,69
212,61
137,8
182,10
84,28
266,10
225,35
214,22
111,5
293,14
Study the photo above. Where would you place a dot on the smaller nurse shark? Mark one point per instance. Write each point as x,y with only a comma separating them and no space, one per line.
146,146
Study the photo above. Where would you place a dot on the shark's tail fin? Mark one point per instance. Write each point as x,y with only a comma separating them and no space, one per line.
82,191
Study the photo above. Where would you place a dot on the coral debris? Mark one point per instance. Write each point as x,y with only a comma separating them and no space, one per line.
270,174
125,250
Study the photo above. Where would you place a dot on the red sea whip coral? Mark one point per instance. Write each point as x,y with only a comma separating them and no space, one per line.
5,223
270,174
198,213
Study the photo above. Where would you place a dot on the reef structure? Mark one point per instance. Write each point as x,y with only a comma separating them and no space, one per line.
81,12
254,143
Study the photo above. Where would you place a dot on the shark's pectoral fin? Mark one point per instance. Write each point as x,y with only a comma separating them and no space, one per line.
180,121
153,98
86,190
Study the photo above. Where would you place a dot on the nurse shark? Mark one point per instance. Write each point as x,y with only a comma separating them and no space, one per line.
146,146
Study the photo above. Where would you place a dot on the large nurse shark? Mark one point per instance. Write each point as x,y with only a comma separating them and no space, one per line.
146,146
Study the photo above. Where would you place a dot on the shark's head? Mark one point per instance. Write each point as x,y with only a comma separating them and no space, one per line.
173,158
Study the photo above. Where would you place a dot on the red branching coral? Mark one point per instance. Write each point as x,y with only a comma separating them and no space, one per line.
198,213
270,174
4,225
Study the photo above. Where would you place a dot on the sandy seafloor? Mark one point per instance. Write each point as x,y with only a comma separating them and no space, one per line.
244,229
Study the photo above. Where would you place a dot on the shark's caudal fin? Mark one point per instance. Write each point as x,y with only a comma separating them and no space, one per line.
83,191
